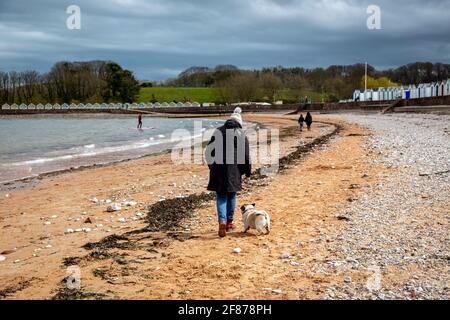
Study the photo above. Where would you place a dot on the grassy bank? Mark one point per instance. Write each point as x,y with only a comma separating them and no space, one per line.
166,94
179,94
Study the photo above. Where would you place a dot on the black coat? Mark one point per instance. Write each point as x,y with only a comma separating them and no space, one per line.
309,119
226,176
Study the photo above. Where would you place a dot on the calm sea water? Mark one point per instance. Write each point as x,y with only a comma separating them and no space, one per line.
30,146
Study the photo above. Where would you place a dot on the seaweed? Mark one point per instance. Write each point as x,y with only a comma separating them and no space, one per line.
167,215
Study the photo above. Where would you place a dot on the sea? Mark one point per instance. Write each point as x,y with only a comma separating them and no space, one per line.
30,146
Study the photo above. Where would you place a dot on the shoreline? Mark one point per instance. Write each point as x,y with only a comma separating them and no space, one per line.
27,182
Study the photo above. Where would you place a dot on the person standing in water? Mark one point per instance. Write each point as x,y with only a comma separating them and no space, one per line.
309,120
228,159
301,122
139,126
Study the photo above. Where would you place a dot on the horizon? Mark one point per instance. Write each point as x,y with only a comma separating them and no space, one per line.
157,41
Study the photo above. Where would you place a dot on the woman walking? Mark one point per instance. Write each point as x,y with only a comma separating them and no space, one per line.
228,158
309,120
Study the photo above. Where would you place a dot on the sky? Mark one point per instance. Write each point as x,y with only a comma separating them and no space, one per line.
157,39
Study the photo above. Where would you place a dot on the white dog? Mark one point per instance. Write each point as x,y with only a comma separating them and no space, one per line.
255,219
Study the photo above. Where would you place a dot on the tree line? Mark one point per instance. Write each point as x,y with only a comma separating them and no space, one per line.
292,84
70,82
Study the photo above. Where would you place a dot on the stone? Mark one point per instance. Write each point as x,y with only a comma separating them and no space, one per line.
94,200
2,258
237,250
89,220
69,231
285,256
113,207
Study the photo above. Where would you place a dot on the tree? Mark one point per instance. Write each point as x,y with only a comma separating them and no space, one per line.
270,84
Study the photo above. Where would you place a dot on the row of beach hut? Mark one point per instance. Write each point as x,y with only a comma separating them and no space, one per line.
425,90
98,106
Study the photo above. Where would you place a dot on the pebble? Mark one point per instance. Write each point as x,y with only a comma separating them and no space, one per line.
286,256
114,207
69,231
393,225
237,250
2,258
94,200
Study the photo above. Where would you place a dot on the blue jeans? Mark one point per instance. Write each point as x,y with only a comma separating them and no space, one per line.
226,204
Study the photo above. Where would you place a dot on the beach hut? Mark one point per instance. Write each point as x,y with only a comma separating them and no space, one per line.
406,93
413,91
420,90
65,106
14,106
57,106
375,96
441,88
23,106
382,94
427,90
164,104
156,105
30,106
447,88
356,95
6,107
196,104
434,89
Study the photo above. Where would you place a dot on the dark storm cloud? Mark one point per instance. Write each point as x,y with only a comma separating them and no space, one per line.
159,38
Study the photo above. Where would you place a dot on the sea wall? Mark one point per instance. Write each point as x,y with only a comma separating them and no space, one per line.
325,107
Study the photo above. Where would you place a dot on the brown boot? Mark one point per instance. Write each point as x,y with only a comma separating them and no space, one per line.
222,230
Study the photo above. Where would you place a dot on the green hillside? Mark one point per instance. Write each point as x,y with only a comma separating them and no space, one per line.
201,95
177,94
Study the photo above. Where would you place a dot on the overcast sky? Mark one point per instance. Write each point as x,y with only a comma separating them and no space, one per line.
159,38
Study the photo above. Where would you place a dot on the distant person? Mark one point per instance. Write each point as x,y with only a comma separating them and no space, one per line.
226,170
301,122
309,120
139,126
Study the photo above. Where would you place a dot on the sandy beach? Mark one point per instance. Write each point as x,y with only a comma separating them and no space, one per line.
316,203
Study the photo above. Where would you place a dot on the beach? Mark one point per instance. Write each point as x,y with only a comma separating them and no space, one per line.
322,229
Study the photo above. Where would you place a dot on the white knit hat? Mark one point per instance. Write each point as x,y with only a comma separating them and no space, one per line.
238,110
237,117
